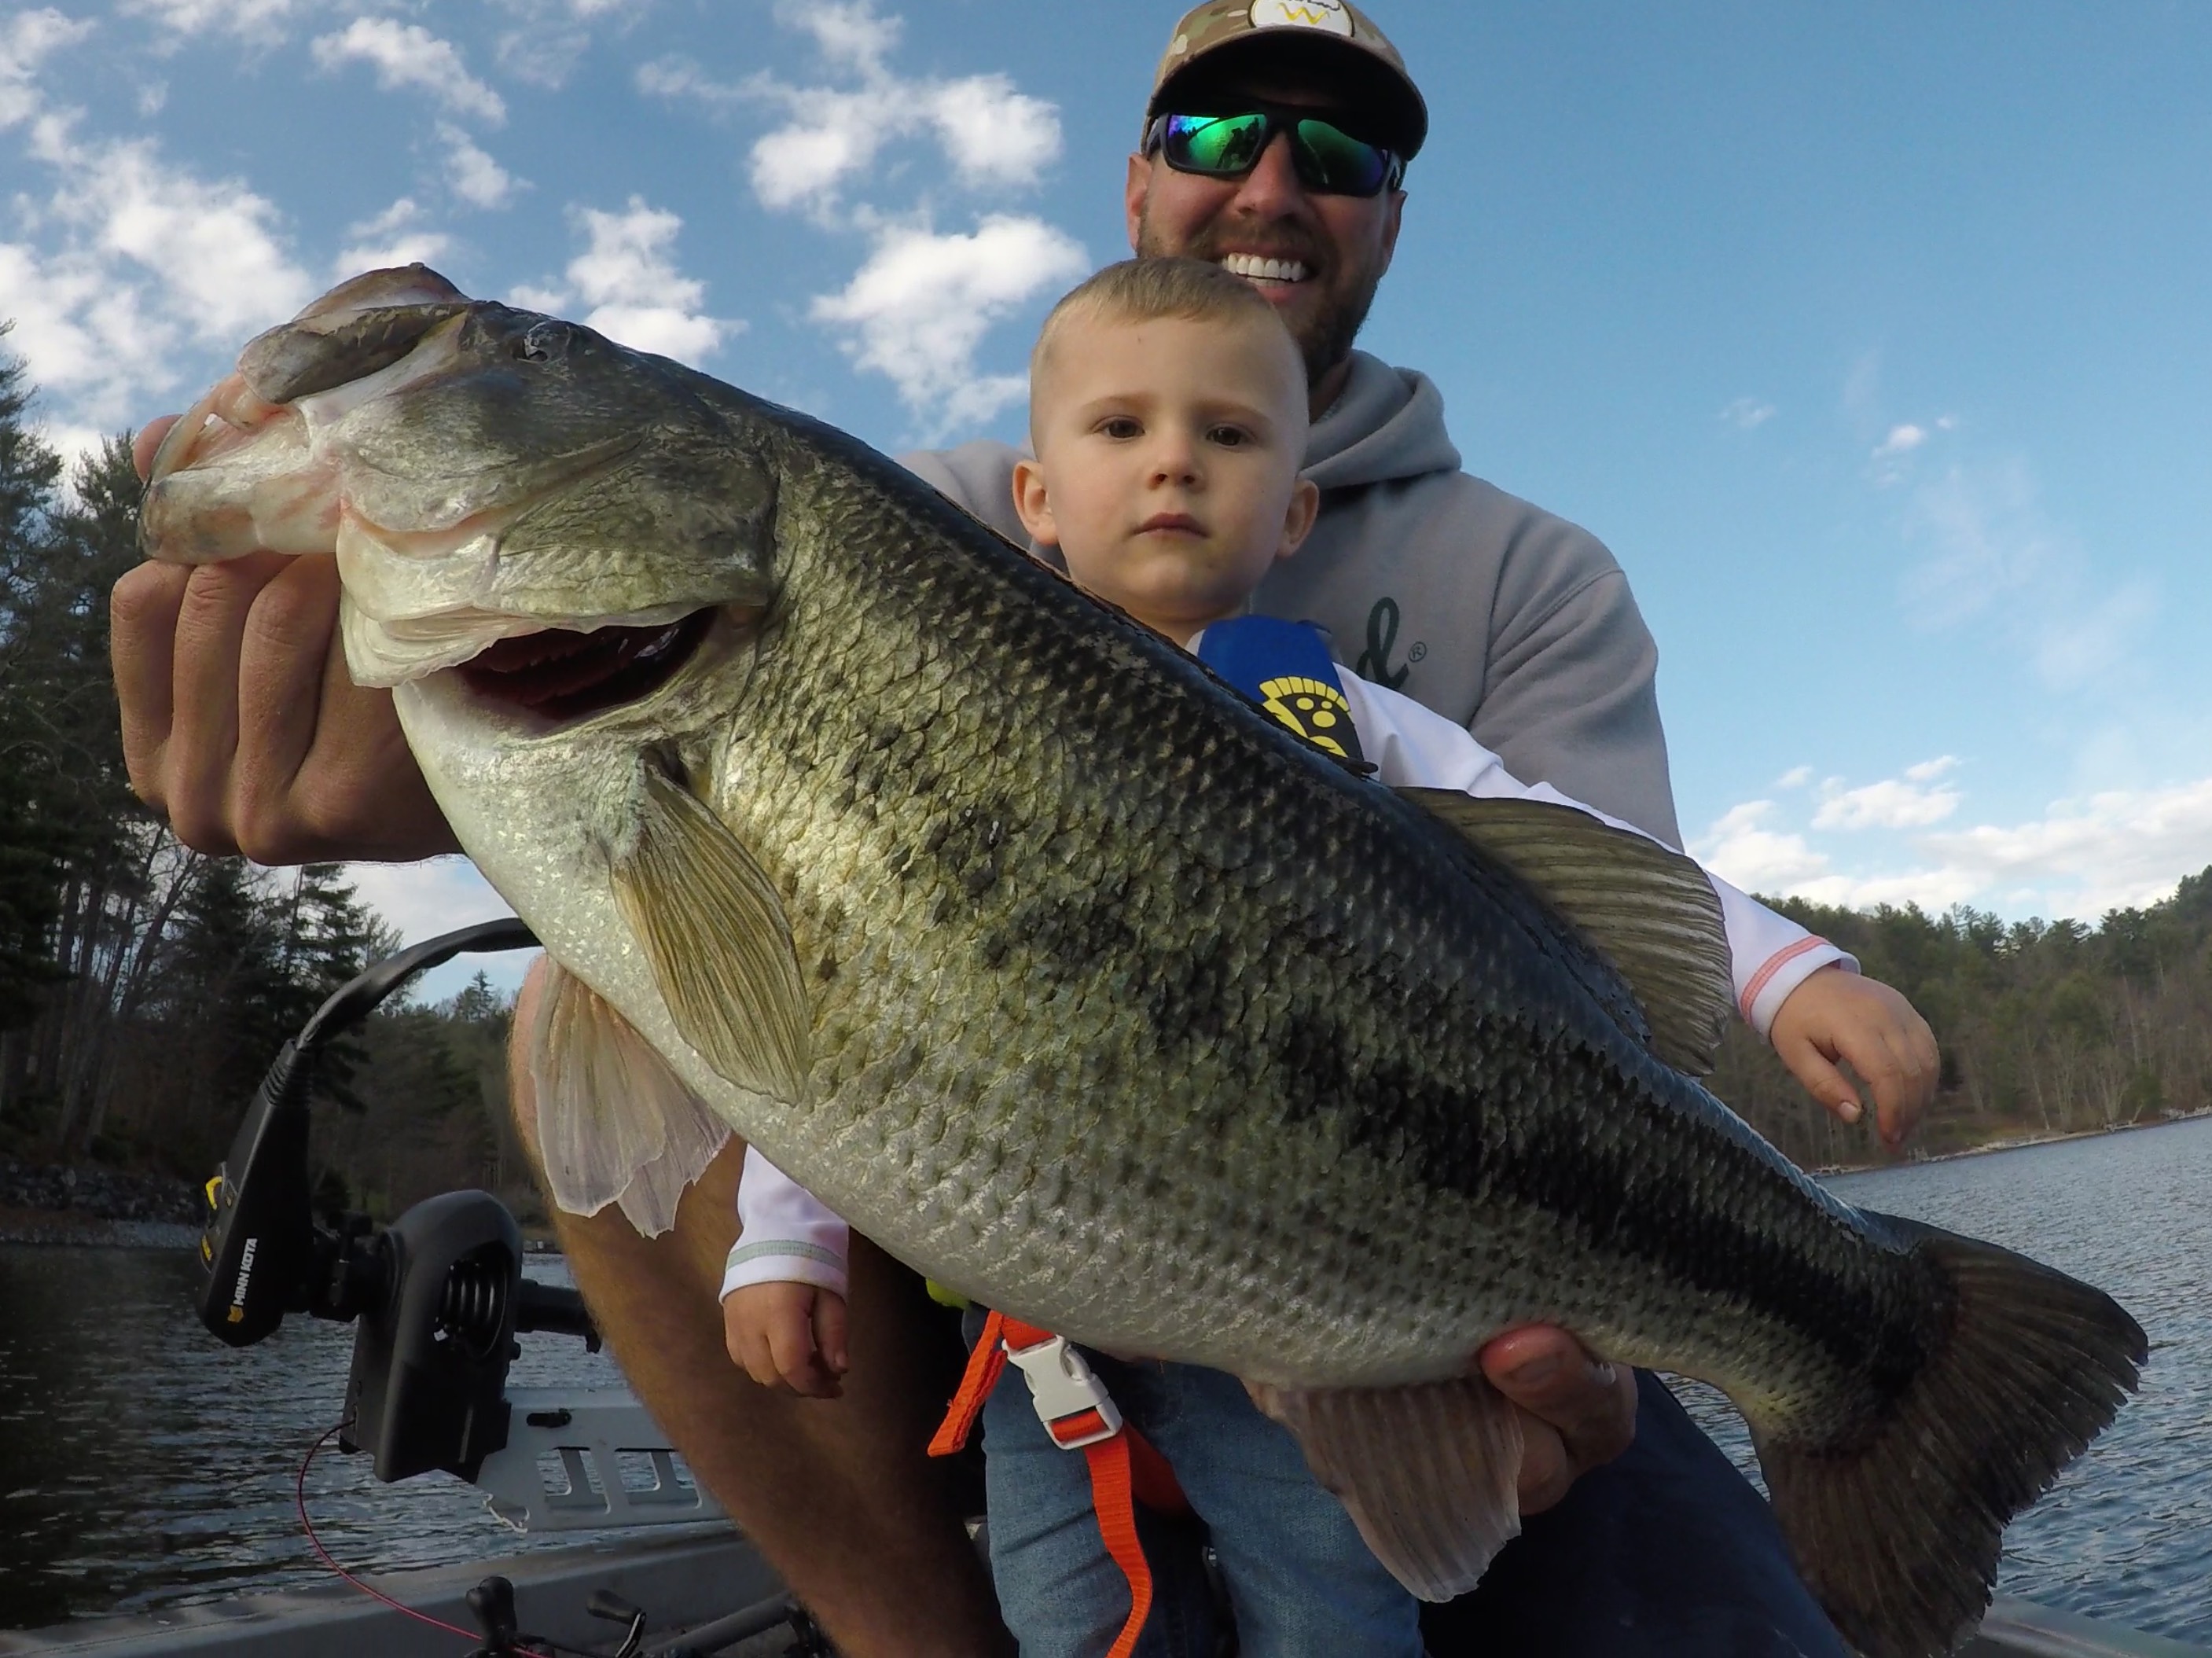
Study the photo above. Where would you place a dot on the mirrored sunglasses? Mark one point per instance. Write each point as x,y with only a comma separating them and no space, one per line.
1328,159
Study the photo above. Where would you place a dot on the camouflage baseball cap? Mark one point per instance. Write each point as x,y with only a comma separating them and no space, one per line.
1331,42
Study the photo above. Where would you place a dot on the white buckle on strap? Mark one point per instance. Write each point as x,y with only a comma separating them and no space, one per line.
1061,1386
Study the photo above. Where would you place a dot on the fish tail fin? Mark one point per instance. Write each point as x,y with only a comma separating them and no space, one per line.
1896,1526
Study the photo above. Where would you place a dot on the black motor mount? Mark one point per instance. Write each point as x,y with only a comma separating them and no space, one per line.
440,1296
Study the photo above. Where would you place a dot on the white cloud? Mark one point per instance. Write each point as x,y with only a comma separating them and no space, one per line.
81,339
637,295
1740,848
1796,778
1746,413
1912,801
214,248
395,236
850,35
919,308
475,178
2081,858
252,20
542,56
992,135
2126,846
139,257
528,296
27,40
1902,440
409,55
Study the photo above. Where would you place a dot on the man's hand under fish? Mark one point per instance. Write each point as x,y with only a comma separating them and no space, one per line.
242,723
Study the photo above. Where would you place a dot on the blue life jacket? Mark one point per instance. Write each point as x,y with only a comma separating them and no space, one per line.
1286,667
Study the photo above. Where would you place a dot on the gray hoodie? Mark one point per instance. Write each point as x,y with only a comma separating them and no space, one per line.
1515,623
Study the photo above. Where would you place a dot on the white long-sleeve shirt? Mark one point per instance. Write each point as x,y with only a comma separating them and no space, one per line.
787,1236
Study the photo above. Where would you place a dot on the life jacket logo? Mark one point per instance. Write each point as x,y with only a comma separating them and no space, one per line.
1312,708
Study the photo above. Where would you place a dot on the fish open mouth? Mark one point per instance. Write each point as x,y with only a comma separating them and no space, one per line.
561,675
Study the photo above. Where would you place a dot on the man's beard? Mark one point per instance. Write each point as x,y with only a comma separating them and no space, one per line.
1324,335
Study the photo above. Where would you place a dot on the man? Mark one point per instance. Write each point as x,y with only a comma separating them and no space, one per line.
240,720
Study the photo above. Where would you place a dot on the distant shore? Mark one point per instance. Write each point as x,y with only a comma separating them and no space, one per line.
89,1205
2010,1143
92,1207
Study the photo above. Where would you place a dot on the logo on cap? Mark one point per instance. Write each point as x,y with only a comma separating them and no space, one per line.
1329,15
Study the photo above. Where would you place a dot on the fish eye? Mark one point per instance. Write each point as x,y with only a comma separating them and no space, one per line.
545,343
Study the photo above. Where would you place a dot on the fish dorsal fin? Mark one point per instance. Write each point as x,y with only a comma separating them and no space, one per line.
1646,908
615,1124
1430,1473
720,943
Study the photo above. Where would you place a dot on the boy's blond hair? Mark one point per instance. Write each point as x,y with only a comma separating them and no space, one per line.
1146,290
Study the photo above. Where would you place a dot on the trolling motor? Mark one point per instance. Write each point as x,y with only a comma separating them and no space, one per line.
440,1296
437,1299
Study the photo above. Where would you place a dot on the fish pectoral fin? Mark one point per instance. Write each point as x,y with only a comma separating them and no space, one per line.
719,941
1428,1473
615,1124
1645,907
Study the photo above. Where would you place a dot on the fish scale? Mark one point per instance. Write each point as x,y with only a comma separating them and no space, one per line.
1079,984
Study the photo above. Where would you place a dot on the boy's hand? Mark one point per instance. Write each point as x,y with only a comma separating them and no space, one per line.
788,1337
1839,1014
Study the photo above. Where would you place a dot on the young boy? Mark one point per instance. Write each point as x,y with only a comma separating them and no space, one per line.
1167,414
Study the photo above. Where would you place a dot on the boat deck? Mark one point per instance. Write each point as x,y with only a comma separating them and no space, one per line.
707,1576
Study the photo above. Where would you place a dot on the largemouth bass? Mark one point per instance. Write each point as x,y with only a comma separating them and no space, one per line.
1079,984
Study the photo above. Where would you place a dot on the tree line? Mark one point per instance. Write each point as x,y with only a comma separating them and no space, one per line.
144,987
2047,1027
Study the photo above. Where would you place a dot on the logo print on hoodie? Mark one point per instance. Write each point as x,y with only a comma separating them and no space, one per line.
1382,636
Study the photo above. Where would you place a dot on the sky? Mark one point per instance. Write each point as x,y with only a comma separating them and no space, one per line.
1875,341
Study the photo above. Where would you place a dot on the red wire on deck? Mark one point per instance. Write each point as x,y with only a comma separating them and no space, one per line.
300,1491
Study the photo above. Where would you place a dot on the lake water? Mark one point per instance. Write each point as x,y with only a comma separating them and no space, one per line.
141,1463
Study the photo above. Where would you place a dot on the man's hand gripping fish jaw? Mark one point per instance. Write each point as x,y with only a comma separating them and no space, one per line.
396,423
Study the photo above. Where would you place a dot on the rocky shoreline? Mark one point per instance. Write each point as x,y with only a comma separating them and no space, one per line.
90,1204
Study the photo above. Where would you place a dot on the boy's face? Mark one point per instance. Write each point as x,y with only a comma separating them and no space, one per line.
1167,463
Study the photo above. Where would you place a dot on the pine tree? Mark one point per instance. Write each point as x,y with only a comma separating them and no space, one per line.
30,846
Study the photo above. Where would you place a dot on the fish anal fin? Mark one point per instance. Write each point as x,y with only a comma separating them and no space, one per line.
614,1123
715,933
1428,1473
1645,907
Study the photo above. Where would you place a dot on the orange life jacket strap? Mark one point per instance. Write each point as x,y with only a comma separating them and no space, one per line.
1125,1468
986,1362
1112,1495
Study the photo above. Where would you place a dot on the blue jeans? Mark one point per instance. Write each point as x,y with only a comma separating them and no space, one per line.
1300,1582
1665,1552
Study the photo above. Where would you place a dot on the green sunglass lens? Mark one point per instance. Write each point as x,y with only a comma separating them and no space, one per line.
1341,163
1216,143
